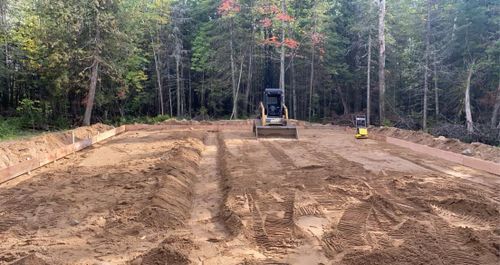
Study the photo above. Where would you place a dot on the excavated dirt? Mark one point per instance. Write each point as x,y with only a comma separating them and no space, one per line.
197,197
84,210
479,150
13,152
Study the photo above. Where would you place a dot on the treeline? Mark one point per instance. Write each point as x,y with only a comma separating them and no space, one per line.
409,63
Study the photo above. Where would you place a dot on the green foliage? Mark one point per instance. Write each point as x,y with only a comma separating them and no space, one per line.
201,51
11,128
31,113
47,48
143,120
388,123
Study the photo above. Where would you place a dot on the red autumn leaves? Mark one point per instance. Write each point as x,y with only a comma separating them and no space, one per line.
228,7
270,13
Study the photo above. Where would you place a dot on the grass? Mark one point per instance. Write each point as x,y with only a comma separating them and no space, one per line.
11,128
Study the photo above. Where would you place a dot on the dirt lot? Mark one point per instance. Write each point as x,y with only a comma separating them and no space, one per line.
207,197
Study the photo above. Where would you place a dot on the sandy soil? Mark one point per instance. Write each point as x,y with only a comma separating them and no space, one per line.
479,150
15,151
196,197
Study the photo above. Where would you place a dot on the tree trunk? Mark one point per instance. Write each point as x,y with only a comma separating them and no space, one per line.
381,59
92,89
426,66
158,80
468,112
496,109
178,81
436,88
283,50
249,79
294,93
233,72
170,104
202,94
343,99
235,103
311,84
183,92
368,79
93,76
190,99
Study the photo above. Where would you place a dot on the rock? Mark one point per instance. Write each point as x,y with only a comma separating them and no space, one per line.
467,152
441,138
475,144
74,222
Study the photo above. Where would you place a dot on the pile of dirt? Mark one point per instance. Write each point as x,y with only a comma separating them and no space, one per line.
16,151
180,172
478,150
173,250
32,259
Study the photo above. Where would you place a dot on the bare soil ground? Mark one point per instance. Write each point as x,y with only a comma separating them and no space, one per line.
479,150
201,197
15,151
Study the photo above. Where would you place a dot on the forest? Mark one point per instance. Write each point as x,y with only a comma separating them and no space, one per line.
431,65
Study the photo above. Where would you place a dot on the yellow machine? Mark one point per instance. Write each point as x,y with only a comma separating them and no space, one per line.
273,117
361,127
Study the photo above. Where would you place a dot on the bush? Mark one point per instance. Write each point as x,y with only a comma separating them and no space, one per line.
387,123
10,128
31,113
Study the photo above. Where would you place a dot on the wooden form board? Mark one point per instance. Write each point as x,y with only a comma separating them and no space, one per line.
24,167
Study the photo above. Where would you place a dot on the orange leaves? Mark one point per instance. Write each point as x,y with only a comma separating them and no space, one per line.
291,43
273,41
317,38
284,17
266,22
228,7
273,12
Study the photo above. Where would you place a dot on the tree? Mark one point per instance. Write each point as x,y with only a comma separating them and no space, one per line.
381,60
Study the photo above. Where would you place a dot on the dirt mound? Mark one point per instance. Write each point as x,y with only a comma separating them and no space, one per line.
179,175
232,220
476,209
13,152
31,259
478,150
173,250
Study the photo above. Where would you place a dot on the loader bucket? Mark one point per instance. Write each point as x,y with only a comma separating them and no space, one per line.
289,132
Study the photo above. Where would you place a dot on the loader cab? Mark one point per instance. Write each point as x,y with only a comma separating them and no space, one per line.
273,102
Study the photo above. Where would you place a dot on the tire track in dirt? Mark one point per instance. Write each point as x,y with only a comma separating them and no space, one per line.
343,211
280,155
206,225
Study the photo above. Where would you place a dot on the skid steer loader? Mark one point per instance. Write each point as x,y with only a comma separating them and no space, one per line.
272,121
